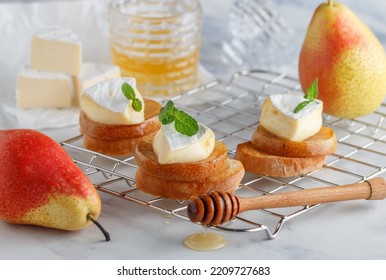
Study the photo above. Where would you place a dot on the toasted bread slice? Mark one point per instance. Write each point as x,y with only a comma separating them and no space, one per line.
322,143
227,180
116,147
146,159
261,163
120,140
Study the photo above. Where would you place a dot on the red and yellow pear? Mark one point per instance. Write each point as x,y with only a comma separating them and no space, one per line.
348,60
41,185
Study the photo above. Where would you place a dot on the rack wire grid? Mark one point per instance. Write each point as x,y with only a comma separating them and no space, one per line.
232,109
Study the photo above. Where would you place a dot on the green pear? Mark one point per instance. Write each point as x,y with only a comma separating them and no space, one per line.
41,185
347,58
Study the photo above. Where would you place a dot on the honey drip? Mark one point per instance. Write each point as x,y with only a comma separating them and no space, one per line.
205,241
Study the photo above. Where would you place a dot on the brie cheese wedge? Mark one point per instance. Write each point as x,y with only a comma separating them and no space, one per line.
56,49
105,103
279,118
172,147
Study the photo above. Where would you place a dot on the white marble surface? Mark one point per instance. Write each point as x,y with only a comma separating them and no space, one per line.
347,230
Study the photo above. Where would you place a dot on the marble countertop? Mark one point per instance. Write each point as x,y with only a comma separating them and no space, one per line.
346,230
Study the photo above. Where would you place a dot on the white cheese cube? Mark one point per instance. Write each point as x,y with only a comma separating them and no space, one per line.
279,118
36,89
56,49
92,74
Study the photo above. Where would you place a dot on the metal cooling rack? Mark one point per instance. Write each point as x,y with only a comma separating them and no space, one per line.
232,109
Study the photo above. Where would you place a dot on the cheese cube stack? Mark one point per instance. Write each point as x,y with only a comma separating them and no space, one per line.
57,77
56,49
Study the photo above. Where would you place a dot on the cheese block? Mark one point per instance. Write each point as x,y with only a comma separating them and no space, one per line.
279,118
56,49
93,73
36,89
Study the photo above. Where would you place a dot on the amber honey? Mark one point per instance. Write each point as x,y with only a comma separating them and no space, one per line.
205,241
157,42
160,76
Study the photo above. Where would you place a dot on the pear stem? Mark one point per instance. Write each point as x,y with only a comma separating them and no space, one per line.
105,233
330,2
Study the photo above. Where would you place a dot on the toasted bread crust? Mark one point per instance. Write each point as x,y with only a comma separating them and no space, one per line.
120,140
146,159
227,180
261,163
119,147
322,143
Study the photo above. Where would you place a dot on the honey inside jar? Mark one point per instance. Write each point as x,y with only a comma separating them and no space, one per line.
158,43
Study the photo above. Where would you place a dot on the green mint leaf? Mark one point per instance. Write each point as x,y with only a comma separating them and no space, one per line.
302,105
167,113
129,93
137,105
312,93
185,124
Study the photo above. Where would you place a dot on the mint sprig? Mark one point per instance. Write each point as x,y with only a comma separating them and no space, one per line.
311,95
183,122
129,93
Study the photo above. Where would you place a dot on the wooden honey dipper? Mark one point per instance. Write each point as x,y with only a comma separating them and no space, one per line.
219,207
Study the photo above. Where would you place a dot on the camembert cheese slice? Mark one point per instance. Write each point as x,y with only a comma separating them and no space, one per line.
92,74
172,147
279,118
105,103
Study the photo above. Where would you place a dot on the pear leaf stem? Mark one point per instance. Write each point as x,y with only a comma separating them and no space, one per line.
330,2
105,233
